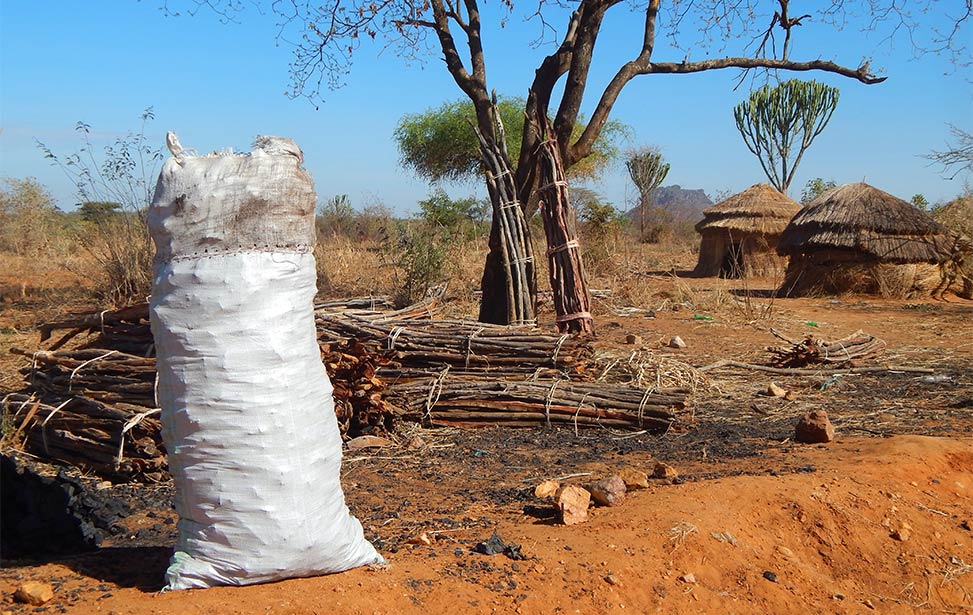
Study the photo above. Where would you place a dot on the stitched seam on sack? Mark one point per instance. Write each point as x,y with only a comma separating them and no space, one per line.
210,253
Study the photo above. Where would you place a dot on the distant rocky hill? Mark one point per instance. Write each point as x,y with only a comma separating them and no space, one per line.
683,204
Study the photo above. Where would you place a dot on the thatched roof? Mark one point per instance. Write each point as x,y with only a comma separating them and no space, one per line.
957,216
758,209
864,220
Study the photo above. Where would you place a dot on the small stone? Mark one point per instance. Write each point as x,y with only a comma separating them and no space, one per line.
787,554
775,390
967,525
664,470
631,338
676,342
770,576
814,427
422,539
902,533
415,442
634,479
689,578
546,489
572,502
611,579
608,491
34,593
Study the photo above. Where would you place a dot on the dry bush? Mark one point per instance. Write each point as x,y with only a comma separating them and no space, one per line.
350,268
121,251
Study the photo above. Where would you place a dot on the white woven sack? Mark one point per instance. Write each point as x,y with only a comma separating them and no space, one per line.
247,408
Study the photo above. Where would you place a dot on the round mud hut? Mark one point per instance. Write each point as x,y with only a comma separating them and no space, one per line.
957,272
739,234
857,238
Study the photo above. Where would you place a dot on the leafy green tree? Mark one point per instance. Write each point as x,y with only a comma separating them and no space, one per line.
439,144
778,124
920,201
815,188
461,216
98,211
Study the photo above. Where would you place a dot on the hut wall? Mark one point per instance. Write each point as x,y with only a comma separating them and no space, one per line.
735,254
711,250
834,272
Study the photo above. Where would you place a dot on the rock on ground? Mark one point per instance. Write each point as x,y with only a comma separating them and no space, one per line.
572,503
814,428
608,491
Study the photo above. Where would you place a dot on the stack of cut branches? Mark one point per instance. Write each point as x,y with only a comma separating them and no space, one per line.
463,344
126,330
810,350
121,441
359,400
107,376
445,399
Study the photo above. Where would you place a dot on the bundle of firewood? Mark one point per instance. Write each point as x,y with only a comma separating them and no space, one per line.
359,400
463,344
107,376
811,350
118,440
447,399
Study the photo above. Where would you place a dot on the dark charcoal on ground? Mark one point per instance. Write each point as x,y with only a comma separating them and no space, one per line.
48,515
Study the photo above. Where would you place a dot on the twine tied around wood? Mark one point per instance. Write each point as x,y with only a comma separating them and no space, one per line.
469,345
394,335
89,361
132,422
574,316
557,349
435,390
44,424
564,246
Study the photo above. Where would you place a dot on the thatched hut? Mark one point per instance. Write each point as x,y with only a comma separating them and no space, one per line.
858,238
957,273
739,234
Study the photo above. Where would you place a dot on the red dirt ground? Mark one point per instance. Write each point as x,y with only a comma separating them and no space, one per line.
880,521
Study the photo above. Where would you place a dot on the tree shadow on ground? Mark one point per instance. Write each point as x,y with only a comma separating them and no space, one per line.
756,293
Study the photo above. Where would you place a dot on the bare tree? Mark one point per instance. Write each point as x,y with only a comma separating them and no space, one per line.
958,156
745,32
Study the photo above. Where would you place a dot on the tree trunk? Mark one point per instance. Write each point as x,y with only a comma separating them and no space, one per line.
572,302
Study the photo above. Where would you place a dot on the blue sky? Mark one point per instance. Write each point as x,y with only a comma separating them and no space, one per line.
218,85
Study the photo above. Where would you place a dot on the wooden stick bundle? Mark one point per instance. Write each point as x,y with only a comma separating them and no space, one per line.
459,343
445,400
120,441
810,350
572,302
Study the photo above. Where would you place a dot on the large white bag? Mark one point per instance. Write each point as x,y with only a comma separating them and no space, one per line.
247,411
